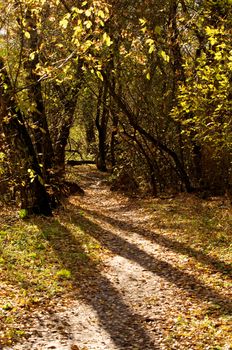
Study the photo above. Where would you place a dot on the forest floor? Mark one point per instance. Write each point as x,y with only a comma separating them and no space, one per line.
117,272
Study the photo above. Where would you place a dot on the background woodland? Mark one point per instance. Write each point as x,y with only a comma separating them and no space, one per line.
141,88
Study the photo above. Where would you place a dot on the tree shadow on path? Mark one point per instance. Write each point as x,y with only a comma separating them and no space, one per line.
192,285
122,324
166,242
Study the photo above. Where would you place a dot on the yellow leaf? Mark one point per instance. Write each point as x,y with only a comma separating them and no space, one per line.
88,13
107,40
165,57
64,23
32,56
101,14
88,24
142,21
151,49
27,35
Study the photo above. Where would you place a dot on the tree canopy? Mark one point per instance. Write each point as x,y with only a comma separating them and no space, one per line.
143,88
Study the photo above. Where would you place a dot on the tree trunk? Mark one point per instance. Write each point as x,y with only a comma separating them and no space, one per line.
150,163
179,167
101,124
34,197
43,143
115,121
69,96
113,140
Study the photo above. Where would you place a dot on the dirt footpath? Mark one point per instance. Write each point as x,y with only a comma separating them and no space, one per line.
131,303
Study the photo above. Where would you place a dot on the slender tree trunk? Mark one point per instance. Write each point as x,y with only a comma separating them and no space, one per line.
62,141
113,139
179,167
179,76
150,163
70,97
115,121
101,124
43,143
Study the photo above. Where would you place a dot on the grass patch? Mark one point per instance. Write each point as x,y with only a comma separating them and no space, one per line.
203,225
200,232
32,270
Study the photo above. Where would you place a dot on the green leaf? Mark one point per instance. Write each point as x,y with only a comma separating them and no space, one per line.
63,274
23,213
99,75
158,29
7,307
41,180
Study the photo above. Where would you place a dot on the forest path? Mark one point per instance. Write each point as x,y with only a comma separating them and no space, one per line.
131,300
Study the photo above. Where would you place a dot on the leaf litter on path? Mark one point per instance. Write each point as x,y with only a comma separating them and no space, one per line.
141,275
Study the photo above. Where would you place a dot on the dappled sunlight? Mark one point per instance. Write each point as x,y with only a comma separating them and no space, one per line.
74,254
115,274
131,251
164,240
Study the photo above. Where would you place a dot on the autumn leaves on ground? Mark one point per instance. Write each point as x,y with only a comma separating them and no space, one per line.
164,263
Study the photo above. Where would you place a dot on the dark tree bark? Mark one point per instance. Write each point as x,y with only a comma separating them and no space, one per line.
113,139
43,143
34,197
101,124
62,138
115,121
179,167
150,162
69,98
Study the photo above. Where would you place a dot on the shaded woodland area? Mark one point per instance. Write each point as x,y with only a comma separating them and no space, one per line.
141,88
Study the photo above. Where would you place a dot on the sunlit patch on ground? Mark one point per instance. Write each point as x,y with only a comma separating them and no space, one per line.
161,265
